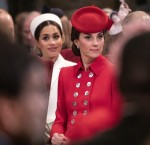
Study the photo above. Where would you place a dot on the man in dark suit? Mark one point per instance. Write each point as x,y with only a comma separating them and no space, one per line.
134,82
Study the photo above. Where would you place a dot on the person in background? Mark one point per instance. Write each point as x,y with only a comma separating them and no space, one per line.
28,39
66,52
113,42
134,84
91,86
140,20
132,19
7,25
48,33
22,96
19,21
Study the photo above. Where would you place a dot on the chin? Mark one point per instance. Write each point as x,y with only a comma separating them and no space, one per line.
53,55
95,55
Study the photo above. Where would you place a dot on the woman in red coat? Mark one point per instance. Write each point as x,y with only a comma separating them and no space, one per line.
88,100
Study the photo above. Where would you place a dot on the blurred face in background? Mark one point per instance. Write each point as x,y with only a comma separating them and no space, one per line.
50,42
28,39
34,103
6,24
25,117
27,36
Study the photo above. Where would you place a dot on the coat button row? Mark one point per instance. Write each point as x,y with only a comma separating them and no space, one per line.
74,103
85,112
90,75
86,93
79,84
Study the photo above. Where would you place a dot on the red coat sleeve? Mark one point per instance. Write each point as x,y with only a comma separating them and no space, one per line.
60,122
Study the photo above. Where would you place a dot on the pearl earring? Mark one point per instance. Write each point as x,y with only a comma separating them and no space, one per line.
78,47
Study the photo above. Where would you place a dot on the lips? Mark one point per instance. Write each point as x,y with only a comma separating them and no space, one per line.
52,49
94,50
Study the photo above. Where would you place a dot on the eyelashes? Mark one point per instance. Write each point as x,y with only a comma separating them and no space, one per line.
90,37
54,37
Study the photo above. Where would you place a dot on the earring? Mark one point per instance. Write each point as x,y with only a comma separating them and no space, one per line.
78,47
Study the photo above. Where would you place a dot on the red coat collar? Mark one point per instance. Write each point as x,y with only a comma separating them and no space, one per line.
95,67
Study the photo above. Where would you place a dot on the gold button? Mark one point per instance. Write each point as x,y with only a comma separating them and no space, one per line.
75,113
77,85
86,93
72,121
85,102
75,94
74,103
79,76
85,112
91,74
88,84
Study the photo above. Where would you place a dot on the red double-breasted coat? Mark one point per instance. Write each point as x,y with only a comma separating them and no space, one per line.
81,93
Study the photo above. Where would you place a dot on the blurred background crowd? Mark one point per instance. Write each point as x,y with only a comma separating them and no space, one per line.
34,80
15,7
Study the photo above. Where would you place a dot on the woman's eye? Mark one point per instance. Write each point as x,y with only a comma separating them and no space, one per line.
45,38
56,36
100,36
88,37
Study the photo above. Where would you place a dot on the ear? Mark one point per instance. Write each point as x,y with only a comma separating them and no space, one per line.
63,38
77,43
37,44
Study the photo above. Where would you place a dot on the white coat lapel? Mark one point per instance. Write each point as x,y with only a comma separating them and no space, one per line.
57,66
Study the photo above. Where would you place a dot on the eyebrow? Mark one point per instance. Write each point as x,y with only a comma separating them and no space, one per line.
45,35
101,32
56,33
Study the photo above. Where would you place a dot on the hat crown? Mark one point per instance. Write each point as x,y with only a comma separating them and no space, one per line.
89,19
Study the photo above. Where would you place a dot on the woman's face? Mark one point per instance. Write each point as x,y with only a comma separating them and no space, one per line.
90,45
50,42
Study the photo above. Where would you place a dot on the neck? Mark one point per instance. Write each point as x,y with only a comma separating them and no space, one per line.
53,59
86,62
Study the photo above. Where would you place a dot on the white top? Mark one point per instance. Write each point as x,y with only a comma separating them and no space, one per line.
60,62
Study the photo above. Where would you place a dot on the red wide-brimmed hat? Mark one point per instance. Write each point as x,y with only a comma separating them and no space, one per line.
90,19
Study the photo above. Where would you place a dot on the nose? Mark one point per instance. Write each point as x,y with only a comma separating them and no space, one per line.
95,42
51,42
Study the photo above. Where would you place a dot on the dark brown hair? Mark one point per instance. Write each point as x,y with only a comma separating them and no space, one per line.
75,35
42,25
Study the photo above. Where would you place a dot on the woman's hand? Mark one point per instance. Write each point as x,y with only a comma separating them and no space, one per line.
59,139
66,141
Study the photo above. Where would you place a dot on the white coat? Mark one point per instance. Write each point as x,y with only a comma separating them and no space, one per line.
60,62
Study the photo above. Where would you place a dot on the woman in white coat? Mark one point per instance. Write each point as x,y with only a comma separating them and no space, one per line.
48,34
